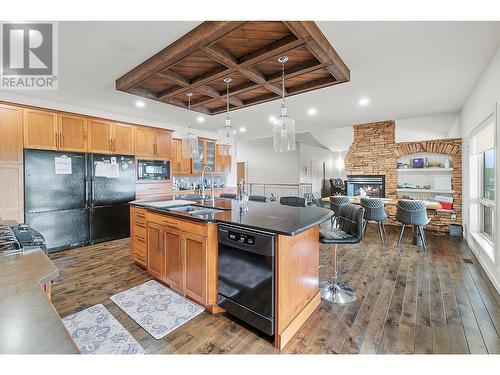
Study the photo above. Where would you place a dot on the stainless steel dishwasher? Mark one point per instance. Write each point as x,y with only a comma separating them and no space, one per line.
246,276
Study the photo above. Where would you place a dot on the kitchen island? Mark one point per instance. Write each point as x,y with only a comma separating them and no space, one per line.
176,241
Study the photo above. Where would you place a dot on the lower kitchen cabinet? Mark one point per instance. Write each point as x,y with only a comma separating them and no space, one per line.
196,265
180,253
174,259
156,250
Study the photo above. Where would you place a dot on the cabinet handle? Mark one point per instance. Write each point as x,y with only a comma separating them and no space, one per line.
57,139
114,144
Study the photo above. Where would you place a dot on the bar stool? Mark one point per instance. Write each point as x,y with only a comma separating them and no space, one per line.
350,231
293,201
374,211
410,212
257,198
337,201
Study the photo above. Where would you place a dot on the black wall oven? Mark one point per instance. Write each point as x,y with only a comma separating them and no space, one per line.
246,276
153,169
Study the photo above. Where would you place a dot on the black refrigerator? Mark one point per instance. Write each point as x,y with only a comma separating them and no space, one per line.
112,187
56,197
74,199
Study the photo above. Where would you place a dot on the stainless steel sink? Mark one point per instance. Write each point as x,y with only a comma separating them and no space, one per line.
196,210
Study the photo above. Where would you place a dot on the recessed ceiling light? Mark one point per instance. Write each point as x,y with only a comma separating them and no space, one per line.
364,101
200,119
272,119
243,129
140,104
312,111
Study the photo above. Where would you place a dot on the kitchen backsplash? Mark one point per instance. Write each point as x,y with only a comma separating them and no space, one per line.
193,182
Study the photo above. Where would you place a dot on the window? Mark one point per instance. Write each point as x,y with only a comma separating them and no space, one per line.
483,154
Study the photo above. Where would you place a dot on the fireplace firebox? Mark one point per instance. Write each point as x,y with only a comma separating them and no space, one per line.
366,185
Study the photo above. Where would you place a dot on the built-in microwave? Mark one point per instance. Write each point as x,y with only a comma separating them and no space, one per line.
153,169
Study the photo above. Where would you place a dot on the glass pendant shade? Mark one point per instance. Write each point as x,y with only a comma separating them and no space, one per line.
189,140
227,133
284,127
189,145
284,133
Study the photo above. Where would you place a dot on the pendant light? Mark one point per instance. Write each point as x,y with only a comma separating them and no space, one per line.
226,133
284,127
189,140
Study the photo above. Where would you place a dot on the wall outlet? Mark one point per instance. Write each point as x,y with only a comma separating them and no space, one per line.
453,216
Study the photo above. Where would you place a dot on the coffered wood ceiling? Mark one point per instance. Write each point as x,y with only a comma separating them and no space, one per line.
246,51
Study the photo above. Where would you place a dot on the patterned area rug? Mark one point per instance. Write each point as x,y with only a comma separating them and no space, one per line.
156,308
96,331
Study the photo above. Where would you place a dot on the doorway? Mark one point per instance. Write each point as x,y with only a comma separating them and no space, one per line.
317,176
241,168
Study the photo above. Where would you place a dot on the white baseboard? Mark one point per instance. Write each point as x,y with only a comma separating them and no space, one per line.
491,273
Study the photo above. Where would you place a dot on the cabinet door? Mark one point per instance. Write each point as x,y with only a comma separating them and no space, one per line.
197,163
11,198
196,267
174,262
180,164
123,139
209,154
145,142
226,164
73,133
163,141
40,129
11,128
99,136
156,250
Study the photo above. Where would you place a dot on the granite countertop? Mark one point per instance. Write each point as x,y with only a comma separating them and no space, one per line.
28,321
269,217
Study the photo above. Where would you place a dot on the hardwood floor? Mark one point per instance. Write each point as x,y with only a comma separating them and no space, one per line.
408,302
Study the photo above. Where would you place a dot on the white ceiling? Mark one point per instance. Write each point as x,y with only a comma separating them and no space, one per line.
407,69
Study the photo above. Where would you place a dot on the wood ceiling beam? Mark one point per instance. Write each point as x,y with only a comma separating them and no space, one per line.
213,93
174,78
320,47
202,35
296,70
225,58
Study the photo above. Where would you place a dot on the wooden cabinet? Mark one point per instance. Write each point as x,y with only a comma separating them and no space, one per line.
11,198
174,259
54,131
222,162
206,153
153,143
40,129
72,133
11,128
106,137
196,264
99,140
180,164
163,143
180,253
138,235
156,250
122,139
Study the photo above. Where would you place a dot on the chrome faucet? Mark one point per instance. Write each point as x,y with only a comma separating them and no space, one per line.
211,184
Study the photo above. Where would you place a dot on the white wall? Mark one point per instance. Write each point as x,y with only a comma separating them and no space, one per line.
266,166
427,128
482,102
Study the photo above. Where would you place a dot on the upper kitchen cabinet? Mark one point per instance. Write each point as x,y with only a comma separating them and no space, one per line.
99,138
222,162
40,129
72,134
180,164
106,137
11,141
122,139
206,155
153,143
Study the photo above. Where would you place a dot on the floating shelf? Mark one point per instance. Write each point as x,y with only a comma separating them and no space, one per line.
430,191
424,170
